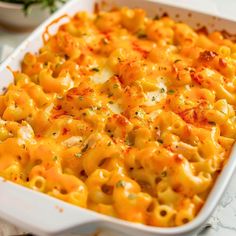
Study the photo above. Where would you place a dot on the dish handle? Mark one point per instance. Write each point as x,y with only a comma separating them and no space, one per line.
44,215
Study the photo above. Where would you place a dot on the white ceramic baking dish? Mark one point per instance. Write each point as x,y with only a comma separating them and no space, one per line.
44,215
12,17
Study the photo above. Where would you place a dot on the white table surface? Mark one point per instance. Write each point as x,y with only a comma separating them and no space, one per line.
223,220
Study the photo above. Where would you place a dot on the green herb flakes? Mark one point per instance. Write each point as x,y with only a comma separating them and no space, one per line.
85,148
128,142
132,196
164,174
78,155
171,91
95,69
162,90
211,122
160,141
177,60
142,35
120,184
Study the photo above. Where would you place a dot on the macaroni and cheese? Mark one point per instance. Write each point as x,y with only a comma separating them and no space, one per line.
128,116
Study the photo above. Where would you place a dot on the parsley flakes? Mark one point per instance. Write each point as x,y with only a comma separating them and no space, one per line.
162,90
120,184
160,141
171,91
78,155
132,196
115,86
211,122
142,35
85,148
95,69
163,174
177,60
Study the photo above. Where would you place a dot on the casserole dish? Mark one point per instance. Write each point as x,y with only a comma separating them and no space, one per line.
20,206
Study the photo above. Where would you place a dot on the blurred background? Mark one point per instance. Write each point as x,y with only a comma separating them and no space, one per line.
19,17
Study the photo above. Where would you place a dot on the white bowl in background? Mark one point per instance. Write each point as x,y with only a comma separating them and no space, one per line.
12,16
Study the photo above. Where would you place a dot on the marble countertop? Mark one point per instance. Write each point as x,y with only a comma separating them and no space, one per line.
223,220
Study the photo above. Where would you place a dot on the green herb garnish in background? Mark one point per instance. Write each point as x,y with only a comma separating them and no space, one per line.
26,4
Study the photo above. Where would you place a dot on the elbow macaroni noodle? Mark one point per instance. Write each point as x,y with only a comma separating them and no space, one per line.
128,116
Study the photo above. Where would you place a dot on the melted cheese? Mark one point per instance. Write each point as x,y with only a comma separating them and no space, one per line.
124,115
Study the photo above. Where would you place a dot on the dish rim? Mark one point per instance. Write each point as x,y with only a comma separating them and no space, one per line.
213,197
